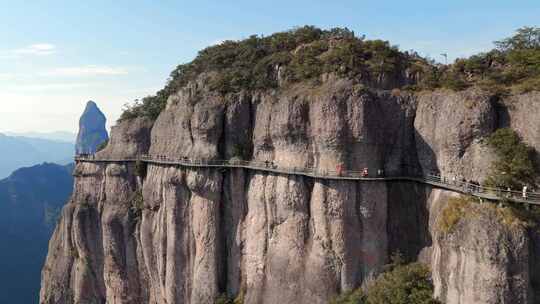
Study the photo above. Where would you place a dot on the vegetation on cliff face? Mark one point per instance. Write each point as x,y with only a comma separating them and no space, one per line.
515,216
510,215
455,210
514,167
223,299
306,53
357,296
301,54
400,284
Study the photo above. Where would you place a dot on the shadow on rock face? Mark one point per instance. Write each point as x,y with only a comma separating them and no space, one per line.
408,219
427,159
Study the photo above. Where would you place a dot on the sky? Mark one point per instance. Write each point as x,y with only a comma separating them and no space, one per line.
57,55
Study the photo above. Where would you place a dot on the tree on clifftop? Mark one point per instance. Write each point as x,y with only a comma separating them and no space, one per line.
514,166
524,38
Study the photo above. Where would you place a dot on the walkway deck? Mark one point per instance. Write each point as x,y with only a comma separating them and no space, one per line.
494,194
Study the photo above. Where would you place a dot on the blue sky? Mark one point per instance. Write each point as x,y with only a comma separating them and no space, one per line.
56,55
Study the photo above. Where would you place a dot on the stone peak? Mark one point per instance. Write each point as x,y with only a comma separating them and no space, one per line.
91,104
92,109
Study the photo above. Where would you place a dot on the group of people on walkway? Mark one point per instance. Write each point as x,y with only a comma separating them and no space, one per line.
475,186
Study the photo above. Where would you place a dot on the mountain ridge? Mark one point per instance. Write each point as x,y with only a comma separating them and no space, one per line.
22,151
61,136
30,202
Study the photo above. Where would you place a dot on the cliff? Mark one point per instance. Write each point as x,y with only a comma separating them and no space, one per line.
92,131
179,235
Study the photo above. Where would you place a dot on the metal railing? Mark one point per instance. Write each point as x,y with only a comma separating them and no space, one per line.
461,186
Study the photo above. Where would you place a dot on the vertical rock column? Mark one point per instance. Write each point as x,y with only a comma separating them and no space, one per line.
92,131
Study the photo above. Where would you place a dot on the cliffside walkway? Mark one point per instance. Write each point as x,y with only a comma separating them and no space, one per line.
488,193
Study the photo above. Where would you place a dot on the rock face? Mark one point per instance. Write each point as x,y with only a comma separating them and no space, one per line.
92,131
449,131
179,235
484,259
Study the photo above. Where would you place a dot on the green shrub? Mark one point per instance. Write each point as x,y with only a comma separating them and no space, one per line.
303,54
514,166
350,297
150,106
525,38
512,216
74,253
515,62
494,88
528,85
431,78
455,209
508,214
305,63
454,81
402,284
224,299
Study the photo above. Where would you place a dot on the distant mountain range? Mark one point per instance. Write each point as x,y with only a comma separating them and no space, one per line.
56,136
30,201
19,151
31,198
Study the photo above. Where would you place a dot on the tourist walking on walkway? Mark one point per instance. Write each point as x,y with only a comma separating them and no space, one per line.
365,172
